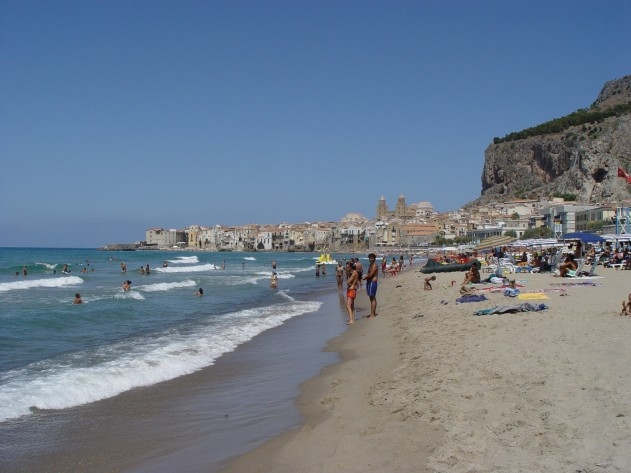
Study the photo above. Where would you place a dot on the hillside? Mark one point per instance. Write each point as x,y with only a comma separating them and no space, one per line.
578,154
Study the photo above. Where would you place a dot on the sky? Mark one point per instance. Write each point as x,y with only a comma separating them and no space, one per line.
120,116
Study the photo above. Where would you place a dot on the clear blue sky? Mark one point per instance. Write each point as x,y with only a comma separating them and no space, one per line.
118,116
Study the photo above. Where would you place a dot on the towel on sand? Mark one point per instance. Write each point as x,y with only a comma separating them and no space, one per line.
533,295
511,309
471,298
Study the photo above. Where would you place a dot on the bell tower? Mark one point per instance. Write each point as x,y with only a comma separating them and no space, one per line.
399,211
382,209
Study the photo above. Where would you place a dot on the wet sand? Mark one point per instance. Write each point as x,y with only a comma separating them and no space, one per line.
428,386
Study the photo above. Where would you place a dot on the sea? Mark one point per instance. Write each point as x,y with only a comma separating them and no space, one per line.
155,378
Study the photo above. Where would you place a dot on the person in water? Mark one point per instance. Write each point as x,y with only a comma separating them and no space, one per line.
200,292
127,285
77,299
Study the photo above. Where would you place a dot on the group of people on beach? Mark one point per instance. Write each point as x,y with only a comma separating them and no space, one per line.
354,273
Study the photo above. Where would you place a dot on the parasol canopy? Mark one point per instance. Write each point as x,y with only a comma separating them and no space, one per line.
584,237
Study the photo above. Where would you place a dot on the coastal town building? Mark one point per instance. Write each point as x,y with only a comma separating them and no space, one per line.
159,237
406,225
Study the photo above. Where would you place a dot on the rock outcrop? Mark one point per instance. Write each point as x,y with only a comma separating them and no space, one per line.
581,160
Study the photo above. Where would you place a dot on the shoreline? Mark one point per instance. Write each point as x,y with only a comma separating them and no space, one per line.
428,386
349,423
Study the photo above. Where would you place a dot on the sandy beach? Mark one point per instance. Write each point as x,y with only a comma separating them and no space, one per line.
428,386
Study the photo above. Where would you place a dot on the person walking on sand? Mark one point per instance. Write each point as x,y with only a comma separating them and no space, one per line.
351,294
371,284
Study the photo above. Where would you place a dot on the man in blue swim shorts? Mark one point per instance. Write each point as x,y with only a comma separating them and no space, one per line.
371,284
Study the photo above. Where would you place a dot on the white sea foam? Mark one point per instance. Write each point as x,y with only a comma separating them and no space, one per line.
46,265
67,381
129,295
184,260
250,258
35,283
187,269
284,294
261,276
165,286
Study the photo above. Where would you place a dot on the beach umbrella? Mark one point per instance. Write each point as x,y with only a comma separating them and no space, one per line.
584,237
617,237
495,241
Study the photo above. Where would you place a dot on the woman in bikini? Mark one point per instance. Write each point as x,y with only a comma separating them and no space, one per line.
339,275
351,293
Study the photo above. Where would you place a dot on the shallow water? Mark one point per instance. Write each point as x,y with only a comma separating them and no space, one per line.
160,361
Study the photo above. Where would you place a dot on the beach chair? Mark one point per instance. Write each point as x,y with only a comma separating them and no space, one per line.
592,268
507,265
579,269
552,265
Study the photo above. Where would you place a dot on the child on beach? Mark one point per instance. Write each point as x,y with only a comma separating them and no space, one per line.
428,285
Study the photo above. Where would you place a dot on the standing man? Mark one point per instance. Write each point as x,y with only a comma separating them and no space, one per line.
360,271
371,284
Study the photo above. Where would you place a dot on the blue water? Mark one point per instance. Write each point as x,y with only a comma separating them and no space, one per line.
56,355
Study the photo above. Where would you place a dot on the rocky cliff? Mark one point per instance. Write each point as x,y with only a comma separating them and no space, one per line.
579,154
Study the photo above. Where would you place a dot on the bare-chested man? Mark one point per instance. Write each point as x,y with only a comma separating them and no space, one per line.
371,284
360,271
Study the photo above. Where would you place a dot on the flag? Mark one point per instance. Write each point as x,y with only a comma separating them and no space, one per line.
622,173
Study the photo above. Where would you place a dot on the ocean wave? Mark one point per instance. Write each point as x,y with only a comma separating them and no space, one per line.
165,286
89,376
46,265
184,260
35,283
129,295
250,258
188,269
263,276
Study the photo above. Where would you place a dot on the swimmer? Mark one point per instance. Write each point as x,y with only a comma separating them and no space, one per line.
77,299
200,292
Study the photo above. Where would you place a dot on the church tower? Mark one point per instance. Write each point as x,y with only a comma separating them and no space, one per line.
382,209
399,211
